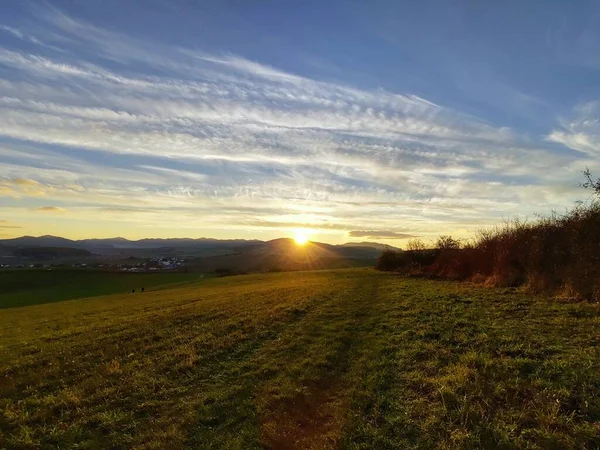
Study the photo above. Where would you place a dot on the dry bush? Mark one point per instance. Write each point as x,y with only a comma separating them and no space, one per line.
552,254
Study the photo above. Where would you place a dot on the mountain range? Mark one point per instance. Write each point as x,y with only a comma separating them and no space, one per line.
148,243
119,242
238,255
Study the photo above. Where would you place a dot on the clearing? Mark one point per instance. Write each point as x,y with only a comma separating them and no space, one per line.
352,359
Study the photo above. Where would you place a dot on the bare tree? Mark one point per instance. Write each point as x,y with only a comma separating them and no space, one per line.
415,244
590,183
447,243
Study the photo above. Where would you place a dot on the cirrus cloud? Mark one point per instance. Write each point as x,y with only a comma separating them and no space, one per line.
102,122
50,209
380,234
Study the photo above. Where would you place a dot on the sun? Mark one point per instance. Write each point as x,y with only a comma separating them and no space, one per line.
300,237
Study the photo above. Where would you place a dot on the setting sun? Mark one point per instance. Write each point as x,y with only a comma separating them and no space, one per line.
300,237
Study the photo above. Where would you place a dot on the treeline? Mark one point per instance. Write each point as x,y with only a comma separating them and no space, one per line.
559,254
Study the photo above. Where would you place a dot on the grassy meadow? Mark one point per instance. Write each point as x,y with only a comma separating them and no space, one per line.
33,287
349,359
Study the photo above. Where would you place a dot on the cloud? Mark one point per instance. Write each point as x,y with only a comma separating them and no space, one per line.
286,225
20,187
7,224
380,234
127,210
25,182
581,131
50,209
252,68
18,34
216,141
12,31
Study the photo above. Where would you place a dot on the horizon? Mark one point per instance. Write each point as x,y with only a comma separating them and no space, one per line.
343,122
290,238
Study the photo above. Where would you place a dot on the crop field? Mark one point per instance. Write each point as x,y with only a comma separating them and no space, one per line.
33,287
348,359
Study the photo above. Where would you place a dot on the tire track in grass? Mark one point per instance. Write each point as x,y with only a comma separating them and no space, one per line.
305,404
291,393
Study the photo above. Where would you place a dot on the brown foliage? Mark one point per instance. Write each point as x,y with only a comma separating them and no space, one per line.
556,254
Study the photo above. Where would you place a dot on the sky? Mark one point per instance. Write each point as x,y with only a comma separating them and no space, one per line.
354,120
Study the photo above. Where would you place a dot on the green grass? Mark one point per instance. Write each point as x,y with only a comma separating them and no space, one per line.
34,287
351,359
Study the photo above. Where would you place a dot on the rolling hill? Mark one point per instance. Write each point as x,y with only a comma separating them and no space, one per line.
119,242
285,254
236,255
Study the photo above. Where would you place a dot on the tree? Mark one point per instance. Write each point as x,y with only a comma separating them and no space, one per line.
415,244
590,183
447,243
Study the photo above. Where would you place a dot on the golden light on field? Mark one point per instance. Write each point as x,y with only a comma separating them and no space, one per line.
301,237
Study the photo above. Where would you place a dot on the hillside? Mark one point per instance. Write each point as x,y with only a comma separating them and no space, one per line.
122,243
39,241
285,254
375,245
51,252
205,255
350,359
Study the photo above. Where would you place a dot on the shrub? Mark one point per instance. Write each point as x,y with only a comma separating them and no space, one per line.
553,254
389,260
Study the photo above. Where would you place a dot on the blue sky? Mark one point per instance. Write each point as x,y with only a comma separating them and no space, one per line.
355,120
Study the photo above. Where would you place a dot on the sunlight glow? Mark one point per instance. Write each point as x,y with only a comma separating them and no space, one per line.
301,237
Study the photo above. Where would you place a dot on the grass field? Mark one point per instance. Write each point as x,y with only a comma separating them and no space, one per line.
34,287
352,359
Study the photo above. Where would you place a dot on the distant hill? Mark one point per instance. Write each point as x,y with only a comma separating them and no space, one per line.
119,242
207,254
376,245
285,254
105,243
41,241
51,252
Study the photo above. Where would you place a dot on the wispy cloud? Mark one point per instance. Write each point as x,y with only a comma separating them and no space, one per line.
18,34
380,234
8,225
25,182
144,131
19,187
50,209
581,132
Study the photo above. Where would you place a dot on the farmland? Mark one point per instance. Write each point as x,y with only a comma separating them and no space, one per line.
353,359
33,287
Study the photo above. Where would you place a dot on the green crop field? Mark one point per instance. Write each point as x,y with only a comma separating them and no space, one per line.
33,287
349,359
